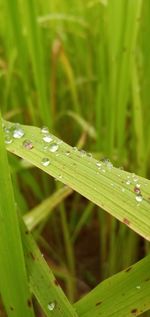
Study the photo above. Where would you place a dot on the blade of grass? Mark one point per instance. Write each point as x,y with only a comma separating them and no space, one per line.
81,173
14,286
43,210
42,281
34,39
124,294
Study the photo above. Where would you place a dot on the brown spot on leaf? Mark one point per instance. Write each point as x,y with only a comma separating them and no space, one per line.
128,269
98,303
126,221
32,256
11,308
134,311
147,279
29,302
56,282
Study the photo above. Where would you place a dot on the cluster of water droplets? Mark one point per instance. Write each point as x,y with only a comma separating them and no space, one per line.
50,145
13,132
133,180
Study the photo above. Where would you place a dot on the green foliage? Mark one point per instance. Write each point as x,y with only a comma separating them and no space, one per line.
82,68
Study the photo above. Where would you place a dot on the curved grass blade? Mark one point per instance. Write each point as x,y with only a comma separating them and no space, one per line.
42,281
37,214
125,294
124,195
14,287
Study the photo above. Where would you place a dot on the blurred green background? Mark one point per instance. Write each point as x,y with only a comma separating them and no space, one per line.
82,68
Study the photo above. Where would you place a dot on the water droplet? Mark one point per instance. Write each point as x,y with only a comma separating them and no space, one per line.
138,287
109,165
45,148
135,179
123,189
98,164
45,161
27,144
138,185
45,130
67,153
18,132
51,306
8,139
137,190
6,130
47,138
75,149
139,198
60,176
53,147
82,153
128,182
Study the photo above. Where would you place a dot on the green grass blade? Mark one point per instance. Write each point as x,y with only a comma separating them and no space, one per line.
14,287
108,187
36,49
43,210
125,294
42,281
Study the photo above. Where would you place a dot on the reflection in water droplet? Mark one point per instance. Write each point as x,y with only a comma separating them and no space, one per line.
53,147
17,132
139,198
47,138
45,161
8,139
27,144
44,130
51,306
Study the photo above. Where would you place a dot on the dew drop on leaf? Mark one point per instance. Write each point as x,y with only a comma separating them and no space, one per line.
8,139
82,153
51,306
98,164
45,161
44,130
137,190
53,147
27,144
128,182
47,138
139,198
67,153
18,132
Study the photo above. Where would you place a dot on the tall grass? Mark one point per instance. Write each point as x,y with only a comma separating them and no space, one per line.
82,68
